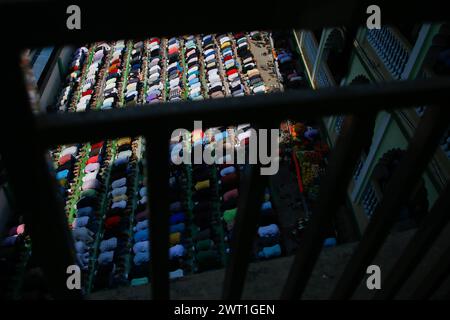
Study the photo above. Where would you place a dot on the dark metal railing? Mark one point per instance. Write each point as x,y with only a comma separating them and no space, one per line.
32,135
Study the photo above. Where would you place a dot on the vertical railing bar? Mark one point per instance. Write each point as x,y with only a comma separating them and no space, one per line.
357,132
251,192
157,157
434,279
420,150
250,195
418,246
52,242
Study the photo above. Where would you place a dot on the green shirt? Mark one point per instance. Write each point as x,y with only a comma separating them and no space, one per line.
203,245
229,215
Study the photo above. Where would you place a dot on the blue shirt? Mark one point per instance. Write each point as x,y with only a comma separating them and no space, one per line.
266,205
141,257
141,235
175,206
177,218
227,170
221,136
270,252
193,81
62,174
180,227
86,211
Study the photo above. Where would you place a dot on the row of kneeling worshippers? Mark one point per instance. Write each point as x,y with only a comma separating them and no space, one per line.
268,241
284,57
111,91
65,167
72,81
178,234
194,84
91,80
205,240
155,81
231,66
85,224
134,83
211,66
175,70
249,68
114,245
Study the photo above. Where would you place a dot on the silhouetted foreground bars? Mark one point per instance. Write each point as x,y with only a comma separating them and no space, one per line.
43,22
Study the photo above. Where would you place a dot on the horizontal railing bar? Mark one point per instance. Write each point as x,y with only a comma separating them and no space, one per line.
357,133
43,22
420,150
55,129
428,231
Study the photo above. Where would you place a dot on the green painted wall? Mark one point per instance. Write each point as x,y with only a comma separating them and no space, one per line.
393,138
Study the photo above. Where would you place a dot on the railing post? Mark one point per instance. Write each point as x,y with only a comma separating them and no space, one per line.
434,279
251,193
418,246
420,150
32,183
157,159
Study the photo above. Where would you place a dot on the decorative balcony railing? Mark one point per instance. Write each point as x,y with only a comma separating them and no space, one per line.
390,49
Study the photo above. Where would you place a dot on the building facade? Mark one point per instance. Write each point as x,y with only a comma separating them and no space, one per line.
387,54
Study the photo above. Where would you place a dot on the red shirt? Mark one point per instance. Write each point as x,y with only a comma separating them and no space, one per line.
197,134
245,141
142,215
116,61
173,50
87,92
113,68
231,71
230,179
112,222
92,160
97,145
227,58
64,159
113,71
230,195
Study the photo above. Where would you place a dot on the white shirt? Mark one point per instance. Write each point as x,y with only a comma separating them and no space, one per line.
143,191
110,85
70,150
90,176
